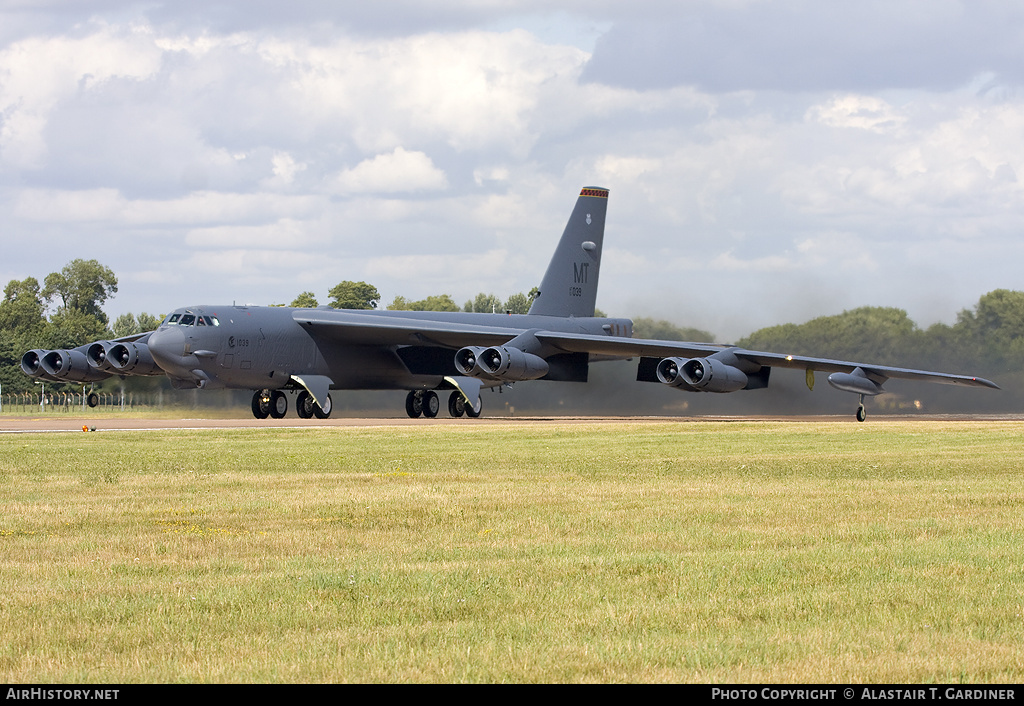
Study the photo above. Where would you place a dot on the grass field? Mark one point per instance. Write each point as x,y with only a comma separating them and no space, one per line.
891,551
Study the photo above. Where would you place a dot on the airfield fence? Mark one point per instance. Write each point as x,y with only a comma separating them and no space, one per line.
67,402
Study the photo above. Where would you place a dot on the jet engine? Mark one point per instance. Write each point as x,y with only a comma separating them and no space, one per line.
67,365
132,359
98,355
720,372
512,364
31,363
467,361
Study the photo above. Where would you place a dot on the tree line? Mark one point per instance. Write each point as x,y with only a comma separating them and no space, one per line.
66,310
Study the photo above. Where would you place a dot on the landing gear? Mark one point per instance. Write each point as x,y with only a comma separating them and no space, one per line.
422,402
278,404
456,404
862,412
431,405
304,405
261,404
325,411
474,414
92,399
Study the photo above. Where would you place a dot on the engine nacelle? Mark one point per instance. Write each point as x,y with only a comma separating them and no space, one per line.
467,361
704,374
132,359
69,365
98,355
31,363
512,364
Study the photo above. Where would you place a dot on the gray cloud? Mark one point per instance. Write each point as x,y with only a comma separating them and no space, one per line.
806,45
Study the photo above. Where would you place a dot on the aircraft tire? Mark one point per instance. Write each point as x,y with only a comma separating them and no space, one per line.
325,411
278,404
470,413
431,405
456,404
414,404
862,413
93,399
304,405
260,405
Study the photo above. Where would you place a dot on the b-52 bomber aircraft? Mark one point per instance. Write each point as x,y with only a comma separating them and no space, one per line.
309,352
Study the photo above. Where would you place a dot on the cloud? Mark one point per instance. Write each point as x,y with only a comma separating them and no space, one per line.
399,171
806,45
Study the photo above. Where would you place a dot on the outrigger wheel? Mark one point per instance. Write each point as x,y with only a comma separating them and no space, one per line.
862,412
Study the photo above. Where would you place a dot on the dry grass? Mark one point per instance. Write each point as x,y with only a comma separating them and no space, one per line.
706,552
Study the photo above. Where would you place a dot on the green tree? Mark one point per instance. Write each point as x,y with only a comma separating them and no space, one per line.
484,304
882,335
125,325
22,311
435,302
308,300
82,286
518,303
659,328
148,322
354,295
22,327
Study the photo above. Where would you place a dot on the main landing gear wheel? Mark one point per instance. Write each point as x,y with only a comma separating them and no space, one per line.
325,411
414,404
261,404
278,404
93,399
456,404
469,410
431,405
862,412
304,405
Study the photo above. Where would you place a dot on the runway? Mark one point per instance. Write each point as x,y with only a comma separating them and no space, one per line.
69,424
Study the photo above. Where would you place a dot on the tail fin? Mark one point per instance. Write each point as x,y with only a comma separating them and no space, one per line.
569,287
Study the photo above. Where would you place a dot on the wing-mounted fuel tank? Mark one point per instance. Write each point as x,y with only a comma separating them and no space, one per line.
719,372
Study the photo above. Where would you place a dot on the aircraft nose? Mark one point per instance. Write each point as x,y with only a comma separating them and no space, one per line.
167,346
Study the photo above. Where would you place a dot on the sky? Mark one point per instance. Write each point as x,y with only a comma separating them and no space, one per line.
768,162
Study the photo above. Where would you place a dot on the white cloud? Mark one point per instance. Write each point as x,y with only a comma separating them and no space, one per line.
399,171
298,152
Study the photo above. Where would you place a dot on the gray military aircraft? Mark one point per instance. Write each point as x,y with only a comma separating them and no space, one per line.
309,352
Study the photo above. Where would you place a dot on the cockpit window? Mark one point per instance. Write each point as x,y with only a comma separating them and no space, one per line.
188,319
212,320
173,319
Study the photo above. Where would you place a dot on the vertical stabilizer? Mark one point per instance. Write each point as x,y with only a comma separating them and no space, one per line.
569,287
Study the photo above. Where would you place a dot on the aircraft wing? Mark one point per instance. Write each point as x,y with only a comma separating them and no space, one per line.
374,329
629,347
371,329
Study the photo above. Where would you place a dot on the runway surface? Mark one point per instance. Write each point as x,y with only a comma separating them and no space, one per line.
63,423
